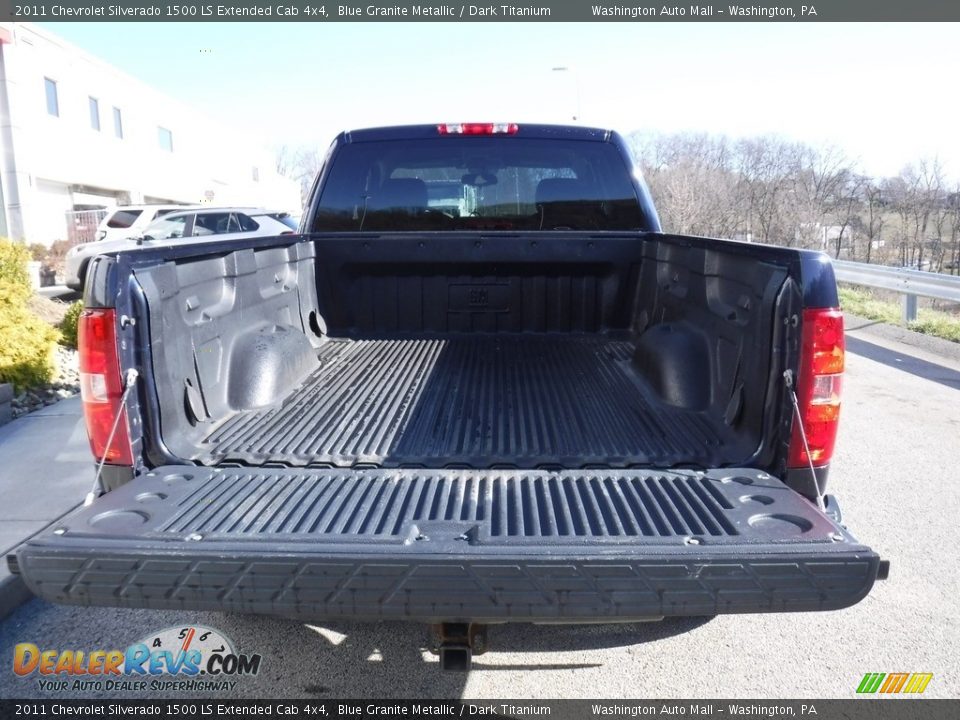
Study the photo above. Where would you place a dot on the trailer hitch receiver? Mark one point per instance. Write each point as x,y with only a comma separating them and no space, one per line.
456,644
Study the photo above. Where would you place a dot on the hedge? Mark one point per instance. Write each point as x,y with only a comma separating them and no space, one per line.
26,342
14,257
68,326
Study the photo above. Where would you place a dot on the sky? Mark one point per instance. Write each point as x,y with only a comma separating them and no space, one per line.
886,94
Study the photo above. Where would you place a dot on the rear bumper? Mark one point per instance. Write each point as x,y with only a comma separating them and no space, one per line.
474,589
200,549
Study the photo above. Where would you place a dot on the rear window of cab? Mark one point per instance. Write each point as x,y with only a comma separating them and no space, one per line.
469,183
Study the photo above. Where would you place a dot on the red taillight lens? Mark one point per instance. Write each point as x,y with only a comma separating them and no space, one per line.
101,386
818,387
478,128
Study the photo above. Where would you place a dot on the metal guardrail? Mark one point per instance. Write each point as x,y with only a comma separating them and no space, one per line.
910,283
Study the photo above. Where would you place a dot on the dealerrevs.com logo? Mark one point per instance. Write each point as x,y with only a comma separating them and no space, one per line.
186,658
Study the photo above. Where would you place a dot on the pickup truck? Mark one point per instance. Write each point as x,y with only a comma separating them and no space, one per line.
480,385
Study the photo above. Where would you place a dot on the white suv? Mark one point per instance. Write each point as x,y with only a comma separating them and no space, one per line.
130,220
183,224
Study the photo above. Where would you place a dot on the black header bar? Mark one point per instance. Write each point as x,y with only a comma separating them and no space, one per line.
497,11
190,708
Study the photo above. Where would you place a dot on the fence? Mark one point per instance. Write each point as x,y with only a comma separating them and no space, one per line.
910,283
82,225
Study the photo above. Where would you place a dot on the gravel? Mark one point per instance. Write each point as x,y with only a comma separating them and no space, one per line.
65,384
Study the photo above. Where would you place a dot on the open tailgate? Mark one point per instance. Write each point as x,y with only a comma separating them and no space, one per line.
451,545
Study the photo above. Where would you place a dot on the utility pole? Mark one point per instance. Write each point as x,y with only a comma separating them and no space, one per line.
576,87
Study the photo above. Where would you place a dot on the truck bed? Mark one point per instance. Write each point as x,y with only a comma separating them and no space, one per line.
538,409
471,401
390,352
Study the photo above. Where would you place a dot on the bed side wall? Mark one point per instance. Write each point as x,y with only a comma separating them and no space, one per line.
228,332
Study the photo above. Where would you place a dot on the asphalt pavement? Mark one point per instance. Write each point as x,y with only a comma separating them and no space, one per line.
894,473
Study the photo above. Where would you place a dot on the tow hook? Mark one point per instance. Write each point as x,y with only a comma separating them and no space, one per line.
456,643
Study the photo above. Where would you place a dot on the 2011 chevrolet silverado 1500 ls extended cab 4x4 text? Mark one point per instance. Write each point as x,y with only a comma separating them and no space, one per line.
480,385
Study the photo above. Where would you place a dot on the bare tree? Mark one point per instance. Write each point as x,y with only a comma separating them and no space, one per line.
940,220
818,176
283,159
846,201
954,204
874,206
788,193
766,167
300,164
694,182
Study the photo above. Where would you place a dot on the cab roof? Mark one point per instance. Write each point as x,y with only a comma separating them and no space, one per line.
524,130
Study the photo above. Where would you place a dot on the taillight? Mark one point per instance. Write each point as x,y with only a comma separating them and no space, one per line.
101,386
819,381
478,129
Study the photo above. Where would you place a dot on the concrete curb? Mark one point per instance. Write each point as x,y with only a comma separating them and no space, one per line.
946,349
6,403
13,590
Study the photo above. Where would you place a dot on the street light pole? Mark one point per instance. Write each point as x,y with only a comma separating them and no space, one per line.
576,87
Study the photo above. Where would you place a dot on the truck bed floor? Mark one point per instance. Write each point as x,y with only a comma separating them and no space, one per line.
478,402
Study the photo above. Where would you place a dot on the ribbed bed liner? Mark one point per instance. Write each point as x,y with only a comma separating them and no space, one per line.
479,402
450,545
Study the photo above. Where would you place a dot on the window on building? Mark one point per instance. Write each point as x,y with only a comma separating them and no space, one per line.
117,123
53,103
256,174
95,114
166,139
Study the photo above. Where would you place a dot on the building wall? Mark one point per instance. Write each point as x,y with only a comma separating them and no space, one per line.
51,163
51,202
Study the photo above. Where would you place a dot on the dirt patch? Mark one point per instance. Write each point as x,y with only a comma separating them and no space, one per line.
50,311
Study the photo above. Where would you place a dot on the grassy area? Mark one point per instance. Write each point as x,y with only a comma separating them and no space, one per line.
862,302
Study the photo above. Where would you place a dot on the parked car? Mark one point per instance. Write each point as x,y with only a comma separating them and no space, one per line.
130,220
193,223
203,222
484,388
